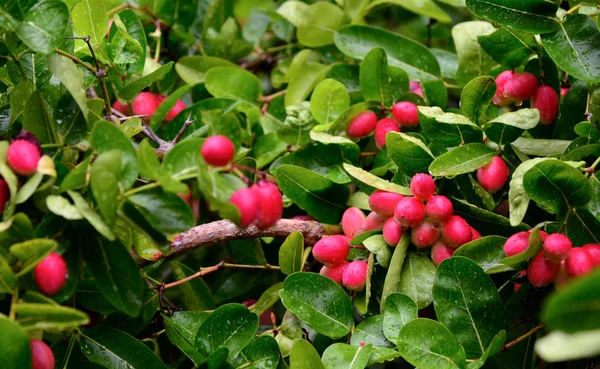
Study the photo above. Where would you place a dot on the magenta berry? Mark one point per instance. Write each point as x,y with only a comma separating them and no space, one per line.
579,262
516,244
562,277
373,222
178,108
145,104
546,101
392,232
42,356
331,250
493,175
355,275
23,157
4,194
439,209
51,274
352,222
414,85
501,98
362,125
456,232
405,114
557,247
422,186
594,250
522,86
564,91
384,126
334,272
246,202
425,234
409,212
418,91
121,108
474,234
218,150
384,202
440,252
270,203
542,272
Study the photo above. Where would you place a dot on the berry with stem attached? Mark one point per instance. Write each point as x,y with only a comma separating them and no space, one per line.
354,277
493,175
406,114
422,186
51,274
246,202
331,250
352,222
362,125
23,157
270,203
218,150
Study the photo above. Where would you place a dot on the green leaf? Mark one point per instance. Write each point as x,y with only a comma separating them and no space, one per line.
427,8
166,105
374,182
106,137
127,41
532,16
32,252
486,221
104,175
410,154
16,349
575,47
559,346
426,343
90,19
51,317
71,77
114,349
304,356
393,277
541,146
375,78
129,91
263,353
91,216
290,253
181,328
77,177
573,106
343,120
315,23
192,68
468,303
472,60
183,158
319,302
510,126
233,83
302,84
461,160
115,273
37,118
8,280
477,96
509,47
399,310
328,101
448,129
230,326
493,348
267,299
370,331
195,294
416,281
344,356
517,197
486,252
44,26
166,211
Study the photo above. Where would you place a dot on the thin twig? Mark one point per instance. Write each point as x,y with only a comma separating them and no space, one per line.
534,330
76,60
184,128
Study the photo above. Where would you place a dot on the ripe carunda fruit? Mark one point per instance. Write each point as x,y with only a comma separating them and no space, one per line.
4,194
440,252
516,244
384,202
179,106
594,250
355,275
218,150
579,262
121,108
422,186
557,247
456,232
546,101
373,222
406,114
500,98
23,157
425,234
352,222
331,250
392,232
409,212
384,126
493,175
42,356
439,208
334,272
474,234
362,125
522,86
51,274
270,203
247,203
542,272
145,104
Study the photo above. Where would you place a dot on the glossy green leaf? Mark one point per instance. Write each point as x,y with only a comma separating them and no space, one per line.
304,356
166,211
302,84
104,175
410,154
328,101
533,16
37,119
315,23
44,26
375,78
47,316
495,346
517,196
448,129
370,331
181,328
509,47
195,294
416,280
105,137
399,310
127,42
472,60
192,68
487,222
290,253
486,252
91,216
16,348
31,252
461,160
477,96
541,146
183,158
509,126
8,280
71,77
129,91
263,353
344,356
233,83
267,299
374,182
427,8
573,106
90,19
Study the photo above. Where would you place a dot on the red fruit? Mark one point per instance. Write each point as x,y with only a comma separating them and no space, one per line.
414,85
579,262
543,234
546,101
51,274
4,194
331,250
594,250
409,212
564,91
334,272
562,277
355,275
474,234
23,157
425,234
440,252
522,86
557,247
186,196
517,285
384,202
179,106
392,232
352,222
542,272
501,99
384,126
122,108
145,103
362,125
456,232
246,201
493,175
270,203
405,113
373,222
42,356
418,91
422,186
503,208
218,150
439,209
517,243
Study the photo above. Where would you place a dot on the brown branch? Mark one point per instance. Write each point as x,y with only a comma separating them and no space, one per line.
534,330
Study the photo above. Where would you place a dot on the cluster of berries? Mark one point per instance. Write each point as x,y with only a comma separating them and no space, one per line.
145,104
260,204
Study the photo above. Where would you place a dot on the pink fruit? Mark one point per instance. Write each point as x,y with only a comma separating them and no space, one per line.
373,222
557,247
579,262
562,277
352,222
334,272
270,203
422,186
500,98
409,212
517,243
145,104
522,86
414,85
456,232
23,157
122,108
564,91
493,175
362,125
517,285
51,274
439,209
425,234
405,113
218,150
331,250
246,202
542,272
355,275
392,232
594,250
546,101
384,202
474,234
440,252
185,196
42,356
4,194
384,126
178,108
419,91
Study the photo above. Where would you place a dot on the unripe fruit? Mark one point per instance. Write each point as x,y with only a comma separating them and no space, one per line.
440,252
409,212
373,222
331,250
542,272
456,232
439,209
4,194
405,113
23,157
384,202
334,272
546,101
352,222
474,234
384,126
557,247
521,87
422,186
218,150
362,125
425,235
493,175
42,356
355,275
392,232
270,203
500,98
179,106
121,108
516,244
246,202
579,262
145,104
51,274
594,250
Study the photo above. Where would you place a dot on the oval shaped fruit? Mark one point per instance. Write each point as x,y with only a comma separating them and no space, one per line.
440,252
23,157
352,222
409,212
594,250
51,274
178,108
334,272
542,272
145,104
354,277
522,86
456,232
422,186
392,232
579,262
557,247
270,203
517,243
493,175
425,234
384,202
362,125
405,114
373,222
218,150
4,194
42,356
501,98
331,250
382,128
246,202
122,108
439,209
546,101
